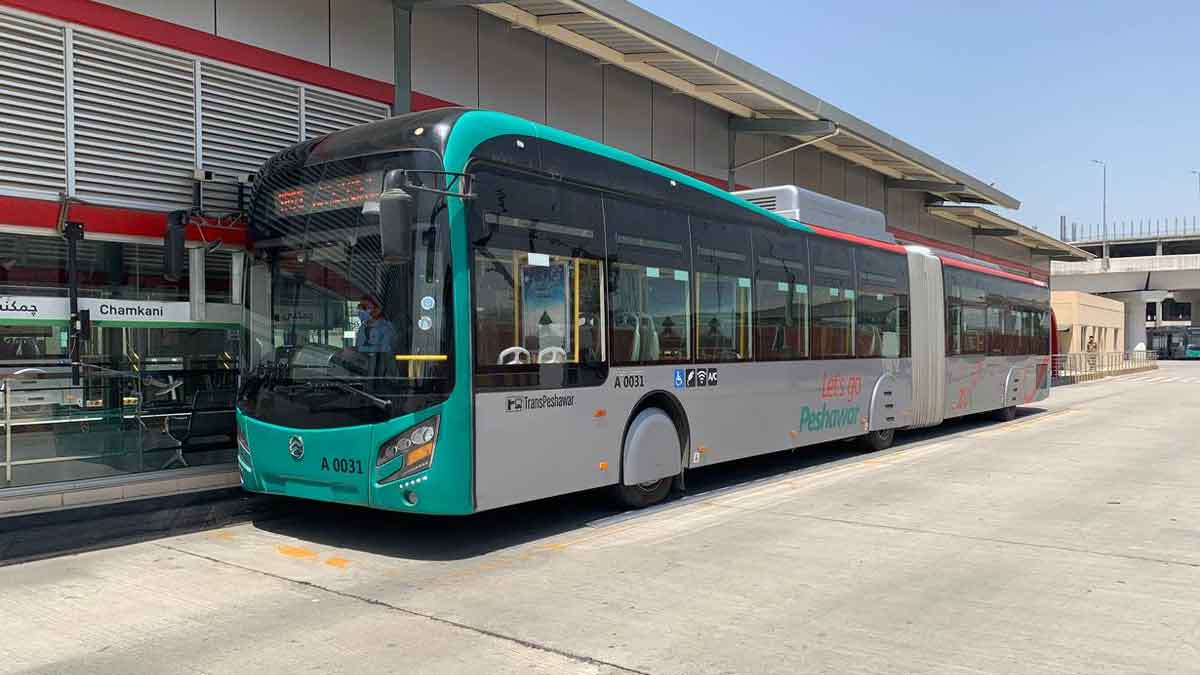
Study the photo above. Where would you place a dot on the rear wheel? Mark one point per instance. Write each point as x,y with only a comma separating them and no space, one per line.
1006,414
880,439
642,495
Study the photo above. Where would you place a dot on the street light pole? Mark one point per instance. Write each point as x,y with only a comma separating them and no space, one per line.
1198,194
1104,209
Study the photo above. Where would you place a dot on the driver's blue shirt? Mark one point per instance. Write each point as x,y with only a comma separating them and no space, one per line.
376,336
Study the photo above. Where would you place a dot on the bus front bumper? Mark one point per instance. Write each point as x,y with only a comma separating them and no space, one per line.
422,474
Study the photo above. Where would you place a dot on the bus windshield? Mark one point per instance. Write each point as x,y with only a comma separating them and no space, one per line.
338,335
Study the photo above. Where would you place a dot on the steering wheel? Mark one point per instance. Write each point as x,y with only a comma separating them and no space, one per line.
552,355
514,356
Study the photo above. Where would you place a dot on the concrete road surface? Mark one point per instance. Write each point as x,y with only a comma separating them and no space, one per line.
1067,541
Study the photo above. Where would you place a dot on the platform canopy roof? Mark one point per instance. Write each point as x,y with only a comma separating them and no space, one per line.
983,222
625,35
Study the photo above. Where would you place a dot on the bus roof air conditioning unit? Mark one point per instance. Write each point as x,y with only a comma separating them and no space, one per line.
814,208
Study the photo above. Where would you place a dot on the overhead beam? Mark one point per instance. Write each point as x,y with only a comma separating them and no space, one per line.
723,88
925,186
565,19
1054,254
994,232
782,127
647,57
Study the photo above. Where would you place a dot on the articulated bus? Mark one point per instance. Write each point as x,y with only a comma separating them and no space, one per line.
459,310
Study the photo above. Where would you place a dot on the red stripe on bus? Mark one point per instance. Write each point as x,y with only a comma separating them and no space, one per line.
915,238
200,43
855,239
42,214
962,264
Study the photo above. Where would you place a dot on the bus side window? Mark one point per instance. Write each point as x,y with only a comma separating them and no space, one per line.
781,306
537,266
649,283
882,327
953,312
721,261
833,293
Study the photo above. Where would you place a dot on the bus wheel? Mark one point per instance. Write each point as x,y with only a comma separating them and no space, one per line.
644,494
1006,414
880,439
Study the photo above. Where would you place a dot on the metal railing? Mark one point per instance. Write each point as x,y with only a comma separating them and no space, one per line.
1136,229
1077,364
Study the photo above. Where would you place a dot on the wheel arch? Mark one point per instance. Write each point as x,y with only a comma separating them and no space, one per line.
669,404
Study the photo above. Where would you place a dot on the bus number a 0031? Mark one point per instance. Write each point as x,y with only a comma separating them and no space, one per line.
341,465
632,381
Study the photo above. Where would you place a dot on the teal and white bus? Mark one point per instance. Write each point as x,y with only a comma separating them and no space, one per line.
459,310
1192,350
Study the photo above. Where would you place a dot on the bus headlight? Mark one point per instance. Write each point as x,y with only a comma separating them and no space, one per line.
415,444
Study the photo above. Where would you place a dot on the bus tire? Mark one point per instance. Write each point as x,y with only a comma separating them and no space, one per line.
880,439
1007,414
651,455
641,496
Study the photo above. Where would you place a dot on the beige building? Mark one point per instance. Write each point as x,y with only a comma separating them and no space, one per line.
1082,315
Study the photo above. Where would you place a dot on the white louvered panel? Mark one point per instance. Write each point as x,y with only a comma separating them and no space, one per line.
325,112
134,124
32,107
244,120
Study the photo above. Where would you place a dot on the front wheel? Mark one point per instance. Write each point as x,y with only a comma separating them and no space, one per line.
880,439
644,494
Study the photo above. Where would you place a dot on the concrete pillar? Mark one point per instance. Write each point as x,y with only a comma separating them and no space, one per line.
402,57
1135,327
1158,247
1136,338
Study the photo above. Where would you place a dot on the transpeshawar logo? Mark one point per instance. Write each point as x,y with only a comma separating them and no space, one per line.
514,404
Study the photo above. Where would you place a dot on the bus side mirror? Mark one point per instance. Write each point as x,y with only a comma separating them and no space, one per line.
174,245
397,213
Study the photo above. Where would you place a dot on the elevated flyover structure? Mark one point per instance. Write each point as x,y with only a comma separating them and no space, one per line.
1155,271
1148,285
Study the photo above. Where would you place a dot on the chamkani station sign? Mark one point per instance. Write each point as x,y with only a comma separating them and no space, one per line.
38,309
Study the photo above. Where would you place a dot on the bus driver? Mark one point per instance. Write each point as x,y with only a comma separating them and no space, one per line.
375,337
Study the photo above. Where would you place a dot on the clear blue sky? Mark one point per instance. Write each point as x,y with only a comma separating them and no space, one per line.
1021,93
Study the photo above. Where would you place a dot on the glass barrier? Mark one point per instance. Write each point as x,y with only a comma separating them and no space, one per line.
157,416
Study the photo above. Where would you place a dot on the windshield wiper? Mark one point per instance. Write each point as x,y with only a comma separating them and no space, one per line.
323,385
381,403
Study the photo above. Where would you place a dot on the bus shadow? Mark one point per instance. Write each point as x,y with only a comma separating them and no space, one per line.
440,538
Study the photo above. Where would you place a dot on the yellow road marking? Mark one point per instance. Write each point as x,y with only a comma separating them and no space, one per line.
296,552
